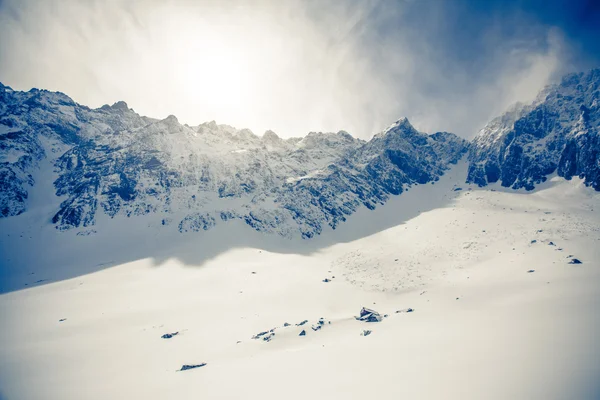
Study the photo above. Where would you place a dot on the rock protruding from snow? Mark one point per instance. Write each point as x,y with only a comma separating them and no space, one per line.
185,367
368,315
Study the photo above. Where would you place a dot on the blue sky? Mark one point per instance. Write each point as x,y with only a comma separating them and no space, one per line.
299,66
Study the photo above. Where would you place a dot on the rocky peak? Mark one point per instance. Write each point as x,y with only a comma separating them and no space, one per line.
120,105
270,136
558,132
346,136
399,135
171,119
212,125
400,125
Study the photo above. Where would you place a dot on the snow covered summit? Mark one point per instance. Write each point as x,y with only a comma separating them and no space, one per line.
71,164
111,161
557,133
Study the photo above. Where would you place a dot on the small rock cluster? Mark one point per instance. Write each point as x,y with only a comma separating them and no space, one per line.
267,336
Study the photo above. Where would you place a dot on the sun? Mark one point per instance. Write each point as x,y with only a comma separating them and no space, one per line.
217,73
217,68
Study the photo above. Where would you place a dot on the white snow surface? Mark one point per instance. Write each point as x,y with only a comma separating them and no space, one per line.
482,326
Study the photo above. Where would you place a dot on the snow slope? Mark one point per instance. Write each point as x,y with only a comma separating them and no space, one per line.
483,327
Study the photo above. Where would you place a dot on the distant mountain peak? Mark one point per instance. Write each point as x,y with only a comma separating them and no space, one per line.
401,125
269,135
171,119
120,105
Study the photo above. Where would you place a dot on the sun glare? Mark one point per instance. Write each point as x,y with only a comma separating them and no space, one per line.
216,72
218,67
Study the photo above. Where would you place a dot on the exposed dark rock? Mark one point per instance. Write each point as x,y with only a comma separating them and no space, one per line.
169,335
303,333
258,335
366,332
559,132
185,367
267,338
575,261
368,315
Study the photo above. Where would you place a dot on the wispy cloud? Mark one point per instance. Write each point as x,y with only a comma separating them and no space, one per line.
293,66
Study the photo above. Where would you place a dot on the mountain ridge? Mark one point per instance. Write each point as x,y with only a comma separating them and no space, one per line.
111,160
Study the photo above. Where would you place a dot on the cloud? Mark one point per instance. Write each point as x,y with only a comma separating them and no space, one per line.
293,67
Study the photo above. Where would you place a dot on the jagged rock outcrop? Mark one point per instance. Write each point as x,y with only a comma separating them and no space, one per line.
557,133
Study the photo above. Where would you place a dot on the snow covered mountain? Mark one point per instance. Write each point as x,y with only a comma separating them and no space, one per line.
557,133
112,161
99,279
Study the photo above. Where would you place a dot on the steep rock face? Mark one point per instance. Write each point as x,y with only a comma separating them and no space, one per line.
111,161
559,133
392,161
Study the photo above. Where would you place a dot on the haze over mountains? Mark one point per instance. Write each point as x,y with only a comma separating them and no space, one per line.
111,161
